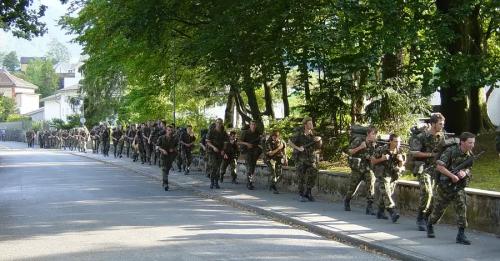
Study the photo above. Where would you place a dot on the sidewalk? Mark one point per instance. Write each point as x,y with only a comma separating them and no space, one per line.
327,219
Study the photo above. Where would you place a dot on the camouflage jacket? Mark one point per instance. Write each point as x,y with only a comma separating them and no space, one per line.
271,145
388,168
217,138
426,142
360,161
452,157
308,156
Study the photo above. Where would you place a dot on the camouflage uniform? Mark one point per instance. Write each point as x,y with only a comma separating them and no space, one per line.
155,134
117,135
450,158
387,173
169,144
232,152
306,163
217,138
426,142
274,163
361,171
252,154
187,156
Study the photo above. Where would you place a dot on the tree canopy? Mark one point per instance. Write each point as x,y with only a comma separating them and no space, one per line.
347,61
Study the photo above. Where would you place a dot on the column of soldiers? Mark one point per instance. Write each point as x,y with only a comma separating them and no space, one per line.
378,164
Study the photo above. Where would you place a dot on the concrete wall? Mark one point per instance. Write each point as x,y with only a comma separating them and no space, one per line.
483,207
27,102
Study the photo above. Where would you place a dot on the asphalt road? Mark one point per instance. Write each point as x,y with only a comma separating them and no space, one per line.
57,206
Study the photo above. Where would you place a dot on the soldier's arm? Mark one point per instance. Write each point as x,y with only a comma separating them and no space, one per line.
357,146
444,161
292,144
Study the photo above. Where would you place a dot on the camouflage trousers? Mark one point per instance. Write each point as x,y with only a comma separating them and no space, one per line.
356,177
187,157
427,185
385,190
307,174
443,198
275,171
166,166
231,162
251,159
214,162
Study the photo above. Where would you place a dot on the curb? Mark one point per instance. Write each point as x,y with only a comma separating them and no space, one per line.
371,246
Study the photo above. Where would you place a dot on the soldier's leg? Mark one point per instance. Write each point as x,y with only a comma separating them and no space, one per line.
232,168
311,176
441,200
224,164
251,163
188,160
426,187
272,170
301,175
215,161
461,212
369,179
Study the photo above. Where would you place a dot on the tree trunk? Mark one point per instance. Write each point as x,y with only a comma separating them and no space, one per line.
268,96
304,77
229,112
284,89
248,88
392,65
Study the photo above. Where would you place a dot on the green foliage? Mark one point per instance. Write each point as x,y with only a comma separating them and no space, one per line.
23,20
42,74
396,106
37,126
73,121
7,107
11,62
17,117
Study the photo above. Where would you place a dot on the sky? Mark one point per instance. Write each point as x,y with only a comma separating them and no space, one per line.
38,45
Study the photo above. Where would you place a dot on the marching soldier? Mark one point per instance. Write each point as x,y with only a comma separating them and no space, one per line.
117,138
167,145
105,136
250,139
360,151
187,143
275,158
146,134
231,153
425,149
215,142
153,139
304,143
448,190
388,164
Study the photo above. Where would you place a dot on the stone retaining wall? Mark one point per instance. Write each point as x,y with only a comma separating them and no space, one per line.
483,207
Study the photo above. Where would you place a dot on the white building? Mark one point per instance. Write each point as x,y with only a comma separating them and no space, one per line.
21,91
66,100
62,103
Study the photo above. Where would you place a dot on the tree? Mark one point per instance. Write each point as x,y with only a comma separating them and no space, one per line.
11,62
57,52
7,107
21,19
41,73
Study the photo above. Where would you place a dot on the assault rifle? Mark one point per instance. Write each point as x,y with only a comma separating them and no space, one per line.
381,141
445,180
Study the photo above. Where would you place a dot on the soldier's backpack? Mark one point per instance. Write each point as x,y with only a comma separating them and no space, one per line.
357,131
415,166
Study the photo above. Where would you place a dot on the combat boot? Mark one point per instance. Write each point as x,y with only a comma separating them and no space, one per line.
420,221
234,181
165,185
461,238
217,184
430,231
250,186
309,195
212,181
302,198
394,215
381,213
347,204
274,189
369,208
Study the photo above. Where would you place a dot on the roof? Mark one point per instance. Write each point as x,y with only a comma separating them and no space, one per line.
9,80
35,111
26,60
